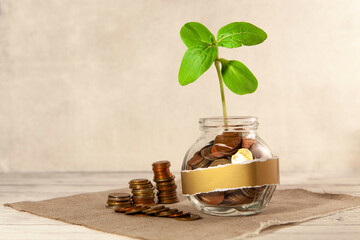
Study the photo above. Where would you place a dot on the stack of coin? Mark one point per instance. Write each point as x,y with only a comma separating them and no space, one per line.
165,182
143,192
116,200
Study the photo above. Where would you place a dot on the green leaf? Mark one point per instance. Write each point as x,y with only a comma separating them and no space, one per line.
237,34
237,77
194,33
195,62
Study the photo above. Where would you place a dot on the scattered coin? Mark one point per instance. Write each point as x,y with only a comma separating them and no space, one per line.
124,209
140,215
154,212
167,213
180,214
191,217
133,211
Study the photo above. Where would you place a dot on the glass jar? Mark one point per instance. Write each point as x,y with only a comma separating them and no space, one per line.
229,170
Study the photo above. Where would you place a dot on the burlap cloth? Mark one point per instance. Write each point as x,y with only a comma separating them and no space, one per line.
287,206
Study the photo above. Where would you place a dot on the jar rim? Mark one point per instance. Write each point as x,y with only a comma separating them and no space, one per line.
232,121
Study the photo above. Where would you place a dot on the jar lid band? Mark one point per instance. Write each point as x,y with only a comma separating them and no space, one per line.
232,176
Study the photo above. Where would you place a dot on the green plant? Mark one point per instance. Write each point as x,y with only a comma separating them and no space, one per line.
203,51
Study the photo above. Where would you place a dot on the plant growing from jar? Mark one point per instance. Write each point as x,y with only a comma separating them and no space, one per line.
220,172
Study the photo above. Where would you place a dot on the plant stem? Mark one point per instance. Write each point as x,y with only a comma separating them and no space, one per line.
221,82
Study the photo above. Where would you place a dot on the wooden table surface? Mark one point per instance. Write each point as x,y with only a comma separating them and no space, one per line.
39,186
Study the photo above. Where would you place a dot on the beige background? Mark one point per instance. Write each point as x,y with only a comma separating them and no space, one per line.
92,85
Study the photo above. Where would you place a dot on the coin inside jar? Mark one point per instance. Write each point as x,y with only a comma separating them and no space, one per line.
221,161
247,142
206,153
212,198
226,143
195,160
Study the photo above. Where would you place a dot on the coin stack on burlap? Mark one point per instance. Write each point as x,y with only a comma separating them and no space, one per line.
116,200
143,192
165,182
158,211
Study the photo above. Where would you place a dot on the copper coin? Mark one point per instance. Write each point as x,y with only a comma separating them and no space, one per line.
247,142
140,215
191,217
162,175
167,213
119,206
139,181
212,198
166,193
172,182
195,160
227,142
206,153
161,164
145,204
247,192
143,200
114,203
221,161
238,198
156,211
133,211
167,188
119,199
143,191
124,209
154,208
158,207
141,186
215,152
164,179
180,214
203,164
119,195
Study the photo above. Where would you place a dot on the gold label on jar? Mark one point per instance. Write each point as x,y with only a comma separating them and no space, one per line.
231,176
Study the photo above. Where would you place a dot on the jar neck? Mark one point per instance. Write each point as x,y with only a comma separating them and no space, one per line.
234,124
